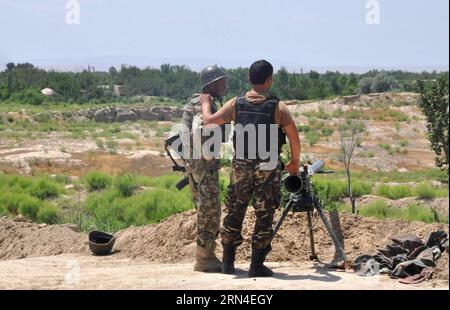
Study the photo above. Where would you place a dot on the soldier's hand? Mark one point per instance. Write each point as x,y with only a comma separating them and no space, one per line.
292,167
206,99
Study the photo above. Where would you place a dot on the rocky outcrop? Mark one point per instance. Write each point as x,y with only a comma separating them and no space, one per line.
115,114
368,100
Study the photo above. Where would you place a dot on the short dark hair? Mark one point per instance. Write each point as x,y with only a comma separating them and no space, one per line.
260,71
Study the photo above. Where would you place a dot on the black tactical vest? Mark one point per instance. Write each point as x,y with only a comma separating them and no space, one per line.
257,114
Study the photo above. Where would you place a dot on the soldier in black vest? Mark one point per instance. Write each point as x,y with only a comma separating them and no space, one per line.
255,173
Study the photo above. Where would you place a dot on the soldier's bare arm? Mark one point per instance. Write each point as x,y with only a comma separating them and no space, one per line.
294,141
208,118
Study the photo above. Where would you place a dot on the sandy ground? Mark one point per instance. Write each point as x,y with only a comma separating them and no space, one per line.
82,272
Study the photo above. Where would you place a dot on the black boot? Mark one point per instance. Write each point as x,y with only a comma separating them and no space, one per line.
229,255
257,268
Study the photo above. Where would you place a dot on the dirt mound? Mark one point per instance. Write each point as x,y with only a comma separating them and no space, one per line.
177,235
20,240
173,240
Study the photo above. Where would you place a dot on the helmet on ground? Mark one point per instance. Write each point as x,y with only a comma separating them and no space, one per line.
101,243
211,74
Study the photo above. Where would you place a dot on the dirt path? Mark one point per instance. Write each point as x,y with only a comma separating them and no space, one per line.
90,272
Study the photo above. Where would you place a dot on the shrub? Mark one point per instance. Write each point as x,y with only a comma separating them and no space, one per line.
398,116
98,181
385,146
112,146
327,131
3,210
361,188
29,207
312,121
378,209
394,192
44,189
338,113
312,138
11,202
99,143
125,184
425,191
28,96
415,212
48,214
304,128
360,127
404,143
111,210
353,114
330,190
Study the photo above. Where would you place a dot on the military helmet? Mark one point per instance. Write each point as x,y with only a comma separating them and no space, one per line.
211,74
101,243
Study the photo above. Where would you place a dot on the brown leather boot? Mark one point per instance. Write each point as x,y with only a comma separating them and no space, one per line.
206,261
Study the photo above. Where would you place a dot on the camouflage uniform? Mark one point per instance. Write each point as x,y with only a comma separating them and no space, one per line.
247,182
204,185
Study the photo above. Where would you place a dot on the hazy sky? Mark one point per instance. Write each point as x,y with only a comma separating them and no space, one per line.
319,33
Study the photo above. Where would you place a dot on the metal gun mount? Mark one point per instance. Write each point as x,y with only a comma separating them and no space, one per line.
303,199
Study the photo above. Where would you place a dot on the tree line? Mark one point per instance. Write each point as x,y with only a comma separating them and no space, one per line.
22,82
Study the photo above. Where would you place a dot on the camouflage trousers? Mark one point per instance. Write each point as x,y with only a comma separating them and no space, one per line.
204,185
249,182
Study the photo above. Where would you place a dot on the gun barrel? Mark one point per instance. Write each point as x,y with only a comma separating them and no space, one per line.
314,168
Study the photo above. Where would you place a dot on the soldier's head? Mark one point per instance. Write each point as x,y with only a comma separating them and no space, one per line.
214,81
260,75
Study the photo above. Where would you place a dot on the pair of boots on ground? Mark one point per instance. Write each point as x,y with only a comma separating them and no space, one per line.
206,261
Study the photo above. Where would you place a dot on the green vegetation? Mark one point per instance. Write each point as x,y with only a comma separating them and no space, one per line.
338,113
119,207
32,197
434,104
116,202
412,212
112,146
312,137
125,184
404,143
327,131
44,189
333,190
399,177
381,82
320,114
385,146
423,190
21,83
303,128
48,214
98,181
397,115
394,192
426,191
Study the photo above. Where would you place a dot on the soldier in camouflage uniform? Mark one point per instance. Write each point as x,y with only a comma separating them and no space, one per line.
249,180
203,175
